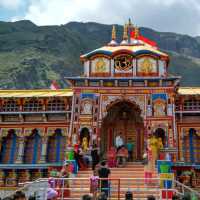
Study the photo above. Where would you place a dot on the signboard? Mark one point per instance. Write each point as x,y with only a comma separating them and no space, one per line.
164,166
167,176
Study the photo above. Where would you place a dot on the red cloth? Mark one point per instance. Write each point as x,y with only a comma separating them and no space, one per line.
111,155
167,194
123,152
144,39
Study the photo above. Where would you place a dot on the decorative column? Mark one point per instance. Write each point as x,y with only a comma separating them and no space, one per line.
181,149
2,177
20,154
44,150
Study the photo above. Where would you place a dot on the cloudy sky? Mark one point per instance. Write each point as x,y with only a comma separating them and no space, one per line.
182,16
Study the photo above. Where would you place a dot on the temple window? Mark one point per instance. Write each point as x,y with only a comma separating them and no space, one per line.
192,104
56,146
123,84
33,105
79,83
94,83
191,146
10,106
33,148
9,148
56,105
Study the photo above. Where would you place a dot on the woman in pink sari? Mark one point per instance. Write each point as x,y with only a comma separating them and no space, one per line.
111,156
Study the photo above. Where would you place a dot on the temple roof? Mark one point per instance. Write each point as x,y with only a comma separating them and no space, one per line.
36,93
189,91
138,49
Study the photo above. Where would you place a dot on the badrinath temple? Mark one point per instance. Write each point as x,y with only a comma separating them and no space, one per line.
125,88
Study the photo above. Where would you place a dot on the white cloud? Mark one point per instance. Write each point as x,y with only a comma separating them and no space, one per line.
164,15
10,4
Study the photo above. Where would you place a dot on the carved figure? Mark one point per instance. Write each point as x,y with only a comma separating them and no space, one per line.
159,108
87,108
100,65
146,66
85,144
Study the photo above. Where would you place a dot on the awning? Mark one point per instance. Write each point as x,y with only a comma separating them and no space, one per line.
35,93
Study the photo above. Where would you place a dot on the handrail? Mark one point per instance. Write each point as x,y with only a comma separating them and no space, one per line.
185,187
178,188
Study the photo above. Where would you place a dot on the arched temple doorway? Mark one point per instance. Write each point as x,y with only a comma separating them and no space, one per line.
123,117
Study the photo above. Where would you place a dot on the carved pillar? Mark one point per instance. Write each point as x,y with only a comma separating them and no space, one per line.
44,150
2,177
20,154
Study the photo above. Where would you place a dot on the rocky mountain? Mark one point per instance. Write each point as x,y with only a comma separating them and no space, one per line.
31,56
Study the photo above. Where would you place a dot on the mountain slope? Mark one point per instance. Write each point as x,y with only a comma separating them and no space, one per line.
32,56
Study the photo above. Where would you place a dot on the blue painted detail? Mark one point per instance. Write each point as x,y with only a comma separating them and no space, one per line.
3,152
48,151
191,146
87,96
110,53
159,96
13,149
36,142
58,147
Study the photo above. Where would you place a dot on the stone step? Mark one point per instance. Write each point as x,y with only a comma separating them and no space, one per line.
131,170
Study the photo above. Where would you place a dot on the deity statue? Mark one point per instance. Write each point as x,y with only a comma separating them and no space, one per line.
146,66
159,109
87,108
85,144
100,65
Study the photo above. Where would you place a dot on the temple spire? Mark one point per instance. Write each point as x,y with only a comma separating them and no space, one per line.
113,33
125,35
113,37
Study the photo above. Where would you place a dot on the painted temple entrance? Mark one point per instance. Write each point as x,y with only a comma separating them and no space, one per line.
123,117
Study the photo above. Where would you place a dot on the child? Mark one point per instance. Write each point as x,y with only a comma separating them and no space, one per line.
94,184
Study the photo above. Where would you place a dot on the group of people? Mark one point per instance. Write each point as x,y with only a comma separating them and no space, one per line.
19,195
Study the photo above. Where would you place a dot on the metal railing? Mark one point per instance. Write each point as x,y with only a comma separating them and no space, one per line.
116,188
183,189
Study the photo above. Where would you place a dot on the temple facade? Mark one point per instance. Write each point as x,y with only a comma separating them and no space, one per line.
125,89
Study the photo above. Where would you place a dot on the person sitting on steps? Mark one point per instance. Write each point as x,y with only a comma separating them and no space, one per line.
122,156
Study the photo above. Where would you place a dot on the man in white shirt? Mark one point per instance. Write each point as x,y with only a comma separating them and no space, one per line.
119,142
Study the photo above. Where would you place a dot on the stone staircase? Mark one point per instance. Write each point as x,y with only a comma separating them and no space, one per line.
131,179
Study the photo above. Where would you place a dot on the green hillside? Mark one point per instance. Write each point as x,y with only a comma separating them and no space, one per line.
32,56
